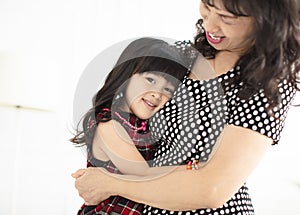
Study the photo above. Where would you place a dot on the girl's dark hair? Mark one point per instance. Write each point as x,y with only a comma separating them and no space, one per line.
141,55
274,57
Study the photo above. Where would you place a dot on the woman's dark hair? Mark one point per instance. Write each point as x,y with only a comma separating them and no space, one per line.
141,55
274,57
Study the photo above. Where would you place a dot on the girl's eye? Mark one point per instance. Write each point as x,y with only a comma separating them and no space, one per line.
150,80
169,91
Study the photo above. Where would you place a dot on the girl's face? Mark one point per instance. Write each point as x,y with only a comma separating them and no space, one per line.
146,93
225,31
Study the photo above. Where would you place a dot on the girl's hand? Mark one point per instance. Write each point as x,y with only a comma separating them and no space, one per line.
91,184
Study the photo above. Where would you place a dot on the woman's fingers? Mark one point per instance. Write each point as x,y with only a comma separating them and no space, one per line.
78,173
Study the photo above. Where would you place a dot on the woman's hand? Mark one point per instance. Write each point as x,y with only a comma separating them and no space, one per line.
78,173
91,184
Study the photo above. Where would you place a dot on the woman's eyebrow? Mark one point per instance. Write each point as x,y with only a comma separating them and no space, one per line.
227,15
224,12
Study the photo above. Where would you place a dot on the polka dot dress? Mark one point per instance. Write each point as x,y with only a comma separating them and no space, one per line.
188,127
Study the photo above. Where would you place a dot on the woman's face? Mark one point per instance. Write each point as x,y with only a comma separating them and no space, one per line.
225,31
146,93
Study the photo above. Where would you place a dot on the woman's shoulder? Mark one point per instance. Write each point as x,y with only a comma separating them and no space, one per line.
254,113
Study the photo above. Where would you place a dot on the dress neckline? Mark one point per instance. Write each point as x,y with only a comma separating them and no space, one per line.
230,73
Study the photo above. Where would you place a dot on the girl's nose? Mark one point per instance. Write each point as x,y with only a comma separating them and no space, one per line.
156,95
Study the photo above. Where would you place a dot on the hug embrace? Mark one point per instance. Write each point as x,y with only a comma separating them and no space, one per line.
219,102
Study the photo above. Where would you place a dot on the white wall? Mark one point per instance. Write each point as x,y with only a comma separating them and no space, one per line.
44,48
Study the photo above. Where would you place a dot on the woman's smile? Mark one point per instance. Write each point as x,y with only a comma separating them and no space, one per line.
214,39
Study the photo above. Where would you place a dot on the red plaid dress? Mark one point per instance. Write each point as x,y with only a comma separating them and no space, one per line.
118,204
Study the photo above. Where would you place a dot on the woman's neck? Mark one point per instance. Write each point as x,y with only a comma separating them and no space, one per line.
206,69
224,61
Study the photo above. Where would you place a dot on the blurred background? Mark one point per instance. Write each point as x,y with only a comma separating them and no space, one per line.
44,48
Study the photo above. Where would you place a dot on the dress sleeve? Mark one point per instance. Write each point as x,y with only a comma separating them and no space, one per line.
253,113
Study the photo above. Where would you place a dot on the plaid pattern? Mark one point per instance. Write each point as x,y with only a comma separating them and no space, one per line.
117,204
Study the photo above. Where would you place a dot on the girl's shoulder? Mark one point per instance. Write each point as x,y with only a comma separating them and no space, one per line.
111,131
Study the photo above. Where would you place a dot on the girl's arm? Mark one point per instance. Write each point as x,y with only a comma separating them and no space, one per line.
239,152
112,139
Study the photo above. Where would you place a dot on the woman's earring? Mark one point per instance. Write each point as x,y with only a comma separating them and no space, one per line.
119,95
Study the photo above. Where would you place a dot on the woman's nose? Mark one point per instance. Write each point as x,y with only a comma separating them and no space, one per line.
211,22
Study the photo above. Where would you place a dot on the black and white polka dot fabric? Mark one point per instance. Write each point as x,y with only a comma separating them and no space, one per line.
189,125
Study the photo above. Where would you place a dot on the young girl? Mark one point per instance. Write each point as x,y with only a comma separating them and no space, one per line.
115,130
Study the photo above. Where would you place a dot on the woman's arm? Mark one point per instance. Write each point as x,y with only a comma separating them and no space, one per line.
112,139
239,152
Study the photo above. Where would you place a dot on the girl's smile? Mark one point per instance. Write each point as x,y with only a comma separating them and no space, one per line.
149,104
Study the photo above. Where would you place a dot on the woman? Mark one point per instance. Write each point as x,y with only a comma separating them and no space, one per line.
253,47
